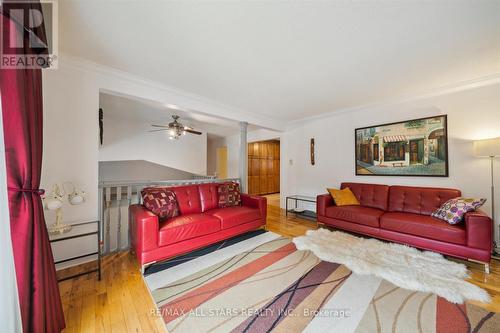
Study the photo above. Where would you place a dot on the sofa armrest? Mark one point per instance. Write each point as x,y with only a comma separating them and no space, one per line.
144,229
255,202
322,202
479,230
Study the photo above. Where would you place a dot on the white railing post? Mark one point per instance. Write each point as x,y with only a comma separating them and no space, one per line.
119,226
129,200
107,237
101,217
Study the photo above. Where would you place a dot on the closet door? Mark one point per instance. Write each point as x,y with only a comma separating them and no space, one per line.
264,167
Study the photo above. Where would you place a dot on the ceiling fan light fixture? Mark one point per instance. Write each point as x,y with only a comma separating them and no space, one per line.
175,129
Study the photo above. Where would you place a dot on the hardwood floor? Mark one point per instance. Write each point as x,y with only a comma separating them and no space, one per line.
273,199
121,302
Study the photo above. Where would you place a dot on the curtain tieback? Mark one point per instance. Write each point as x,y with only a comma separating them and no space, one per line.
38,191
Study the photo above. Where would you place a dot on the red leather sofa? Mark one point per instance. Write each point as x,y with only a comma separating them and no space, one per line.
403,214
199,224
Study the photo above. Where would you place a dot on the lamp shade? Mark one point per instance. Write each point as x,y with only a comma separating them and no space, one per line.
487,148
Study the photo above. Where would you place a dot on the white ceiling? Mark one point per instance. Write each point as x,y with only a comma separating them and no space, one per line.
154,113
286,59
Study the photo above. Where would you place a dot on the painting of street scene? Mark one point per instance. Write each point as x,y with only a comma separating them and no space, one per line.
411,148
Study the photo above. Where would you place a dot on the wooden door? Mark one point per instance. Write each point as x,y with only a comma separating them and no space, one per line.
376,152
263,167
416,151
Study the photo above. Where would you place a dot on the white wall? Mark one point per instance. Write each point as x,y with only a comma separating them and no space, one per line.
129,139
213,142
121,171
472,114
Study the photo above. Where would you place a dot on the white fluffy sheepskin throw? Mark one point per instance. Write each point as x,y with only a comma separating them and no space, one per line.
404,266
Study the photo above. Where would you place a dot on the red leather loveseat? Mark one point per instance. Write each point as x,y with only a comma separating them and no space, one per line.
199,224
403,214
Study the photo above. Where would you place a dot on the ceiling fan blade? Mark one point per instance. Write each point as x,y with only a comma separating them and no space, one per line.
159,130
154,125
192,131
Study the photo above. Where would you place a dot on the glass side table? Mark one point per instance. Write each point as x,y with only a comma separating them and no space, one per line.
83,232
308,214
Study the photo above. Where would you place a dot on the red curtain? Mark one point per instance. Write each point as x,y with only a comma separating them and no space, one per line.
21,91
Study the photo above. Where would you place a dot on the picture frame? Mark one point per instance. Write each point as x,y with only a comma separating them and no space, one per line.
410,148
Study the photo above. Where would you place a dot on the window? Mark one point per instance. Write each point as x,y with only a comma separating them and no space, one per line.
395,151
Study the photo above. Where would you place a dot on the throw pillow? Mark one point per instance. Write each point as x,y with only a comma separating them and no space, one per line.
343,197
453,210
161,201
229,195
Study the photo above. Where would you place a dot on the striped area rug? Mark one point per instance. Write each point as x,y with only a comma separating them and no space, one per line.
259,282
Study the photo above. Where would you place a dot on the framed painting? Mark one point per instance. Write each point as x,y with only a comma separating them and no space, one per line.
417,147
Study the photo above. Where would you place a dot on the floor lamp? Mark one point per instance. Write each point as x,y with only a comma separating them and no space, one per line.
490,148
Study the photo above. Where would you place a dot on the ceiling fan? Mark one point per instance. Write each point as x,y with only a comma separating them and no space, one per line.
175,129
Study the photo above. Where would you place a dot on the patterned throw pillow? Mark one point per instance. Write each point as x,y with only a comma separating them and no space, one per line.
161,201
453,210
229,195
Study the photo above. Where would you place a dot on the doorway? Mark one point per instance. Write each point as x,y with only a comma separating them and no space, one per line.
366,153
264,167
221,162
376,152
416,151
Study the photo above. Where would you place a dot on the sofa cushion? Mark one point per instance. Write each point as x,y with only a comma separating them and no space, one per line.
161,201
343,197
356,214
232,216
369,195
185,227
424,226
208,196
419,200
188,199
229,194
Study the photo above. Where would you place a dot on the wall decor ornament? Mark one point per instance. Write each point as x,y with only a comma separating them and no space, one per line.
313,157
101,126
417,147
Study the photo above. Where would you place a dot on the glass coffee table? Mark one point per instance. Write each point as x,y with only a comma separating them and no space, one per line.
308,214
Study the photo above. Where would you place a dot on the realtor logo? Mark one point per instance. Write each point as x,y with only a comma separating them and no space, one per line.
28,36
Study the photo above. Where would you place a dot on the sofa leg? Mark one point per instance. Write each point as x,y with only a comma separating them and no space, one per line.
143,267
486,265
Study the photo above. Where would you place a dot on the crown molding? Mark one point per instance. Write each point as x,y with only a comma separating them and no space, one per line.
236,114
261,120
440,91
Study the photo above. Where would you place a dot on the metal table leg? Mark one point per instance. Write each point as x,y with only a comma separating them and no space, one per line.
286,207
